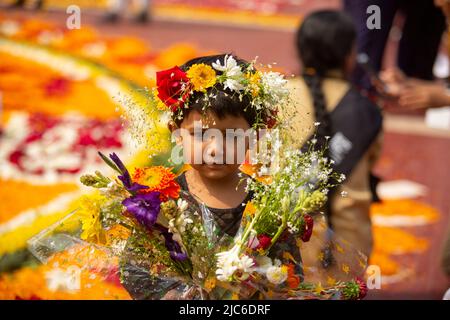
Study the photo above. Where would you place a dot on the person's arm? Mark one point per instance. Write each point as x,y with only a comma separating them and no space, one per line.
412,93
424,96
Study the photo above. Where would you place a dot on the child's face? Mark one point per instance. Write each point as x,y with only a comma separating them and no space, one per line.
212,154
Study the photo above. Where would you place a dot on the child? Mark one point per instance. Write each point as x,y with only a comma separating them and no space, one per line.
215,183
326,43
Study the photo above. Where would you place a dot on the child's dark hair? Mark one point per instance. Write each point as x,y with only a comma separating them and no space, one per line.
324,41
225,102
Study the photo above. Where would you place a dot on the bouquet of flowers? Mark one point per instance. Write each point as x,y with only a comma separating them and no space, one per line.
284,248
163,243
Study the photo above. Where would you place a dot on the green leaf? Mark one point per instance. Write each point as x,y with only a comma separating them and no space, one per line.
109,162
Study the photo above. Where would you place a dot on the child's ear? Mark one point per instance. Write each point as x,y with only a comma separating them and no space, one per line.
172,126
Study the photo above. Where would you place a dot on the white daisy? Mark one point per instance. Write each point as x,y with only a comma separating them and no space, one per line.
233,73
229,262
276,274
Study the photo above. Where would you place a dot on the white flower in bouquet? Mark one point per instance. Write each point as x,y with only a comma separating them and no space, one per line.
182,205
229,264
246,264
225,272
226,264
178,224
263,263
277,274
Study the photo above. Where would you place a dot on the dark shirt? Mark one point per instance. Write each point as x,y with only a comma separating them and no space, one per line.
228,220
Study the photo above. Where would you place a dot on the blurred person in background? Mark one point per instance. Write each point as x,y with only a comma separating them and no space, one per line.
414,93
37,4
119,7
350,122
421,35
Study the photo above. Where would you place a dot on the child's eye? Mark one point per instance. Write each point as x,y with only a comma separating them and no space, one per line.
196,136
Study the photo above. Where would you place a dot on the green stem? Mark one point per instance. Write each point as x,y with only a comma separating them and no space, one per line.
249,229
279,231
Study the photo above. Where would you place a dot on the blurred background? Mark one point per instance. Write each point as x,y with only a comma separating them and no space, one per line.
58,106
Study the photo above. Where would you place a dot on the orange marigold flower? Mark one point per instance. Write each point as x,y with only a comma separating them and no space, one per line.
158,179
250,209
252,171
293,280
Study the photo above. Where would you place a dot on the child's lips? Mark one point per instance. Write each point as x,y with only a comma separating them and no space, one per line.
214,166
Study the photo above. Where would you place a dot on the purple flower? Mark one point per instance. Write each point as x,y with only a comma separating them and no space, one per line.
125,177
172,246
178,256
144,207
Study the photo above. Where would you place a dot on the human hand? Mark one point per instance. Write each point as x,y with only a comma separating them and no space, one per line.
394,80
424,96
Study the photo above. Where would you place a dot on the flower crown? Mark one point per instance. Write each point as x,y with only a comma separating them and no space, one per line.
265,90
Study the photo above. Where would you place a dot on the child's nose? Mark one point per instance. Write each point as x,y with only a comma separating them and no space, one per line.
215,150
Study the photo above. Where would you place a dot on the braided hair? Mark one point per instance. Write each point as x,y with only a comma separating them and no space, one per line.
324,41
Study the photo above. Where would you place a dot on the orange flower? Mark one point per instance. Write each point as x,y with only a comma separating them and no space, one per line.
293,280
158,179
252,171
250,210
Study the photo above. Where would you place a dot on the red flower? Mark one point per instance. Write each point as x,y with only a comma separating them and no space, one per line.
173,87
362,288
264,241
308,228
271,119
355,289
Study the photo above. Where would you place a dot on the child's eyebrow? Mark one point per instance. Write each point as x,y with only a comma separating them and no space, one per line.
223,130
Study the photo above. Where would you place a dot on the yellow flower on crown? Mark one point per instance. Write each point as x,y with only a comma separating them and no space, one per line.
201,76
159,104
254,80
